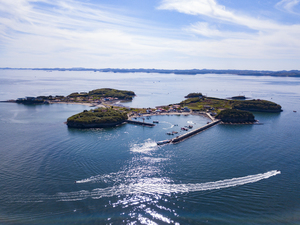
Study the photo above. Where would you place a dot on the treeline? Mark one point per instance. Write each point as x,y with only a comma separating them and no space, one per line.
197,103
106,92
257,105
283,73
193,95
235,116
100,116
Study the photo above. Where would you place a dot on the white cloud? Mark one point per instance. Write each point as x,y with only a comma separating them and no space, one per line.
287,5
210,8
66,29
69,33
268,38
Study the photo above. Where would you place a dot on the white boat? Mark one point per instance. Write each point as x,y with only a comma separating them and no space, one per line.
163,142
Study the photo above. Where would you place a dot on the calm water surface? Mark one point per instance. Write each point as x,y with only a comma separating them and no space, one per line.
228,174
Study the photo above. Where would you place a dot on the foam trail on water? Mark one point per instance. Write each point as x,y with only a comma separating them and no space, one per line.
148,146
157,186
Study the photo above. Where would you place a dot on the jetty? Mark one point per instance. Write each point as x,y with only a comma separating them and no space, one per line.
140,123
193,132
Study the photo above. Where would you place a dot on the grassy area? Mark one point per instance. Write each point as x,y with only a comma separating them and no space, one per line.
217,104
103,93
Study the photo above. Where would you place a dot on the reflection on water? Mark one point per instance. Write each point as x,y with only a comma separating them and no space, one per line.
225,175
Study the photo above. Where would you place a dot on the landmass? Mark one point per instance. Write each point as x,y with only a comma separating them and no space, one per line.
97,118
282,73
215,105
235,116
110,114
94,97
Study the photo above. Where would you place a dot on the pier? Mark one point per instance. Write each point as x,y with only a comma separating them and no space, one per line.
140,123
193,132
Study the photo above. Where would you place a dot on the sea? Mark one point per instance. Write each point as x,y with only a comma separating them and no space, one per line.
228,174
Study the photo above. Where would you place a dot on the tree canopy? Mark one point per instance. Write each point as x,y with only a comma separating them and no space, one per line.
100,116
235,116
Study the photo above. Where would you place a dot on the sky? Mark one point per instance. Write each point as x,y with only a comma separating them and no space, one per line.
160,34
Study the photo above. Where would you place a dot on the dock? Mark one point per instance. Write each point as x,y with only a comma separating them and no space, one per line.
193,132
140,123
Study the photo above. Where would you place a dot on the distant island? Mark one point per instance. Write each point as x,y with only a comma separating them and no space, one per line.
94,97
110,114
283,73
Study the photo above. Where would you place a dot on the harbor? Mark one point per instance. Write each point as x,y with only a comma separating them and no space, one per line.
192,132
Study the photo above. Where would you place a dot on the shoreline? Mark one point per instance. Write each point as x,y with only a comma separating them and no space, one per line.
172,114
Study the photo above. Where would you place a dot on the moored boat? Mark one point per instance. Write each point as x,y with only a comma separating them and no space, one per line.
163,142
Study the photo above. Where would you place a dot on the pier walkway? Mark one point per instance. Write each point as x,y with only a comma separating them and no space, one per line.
140,123
192,132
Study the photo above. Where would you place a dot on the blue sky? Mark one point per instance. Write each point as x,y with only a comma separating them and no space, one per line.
162,34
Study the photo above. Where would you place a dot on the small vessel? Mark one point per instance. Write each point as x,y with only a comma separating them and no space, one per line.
174,132
190,126
169,133
163,142
294,111
175,125
155,121
184,128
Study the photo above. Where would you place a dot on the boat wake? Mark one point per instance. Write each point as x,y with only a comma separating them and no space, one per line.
148,146
154,186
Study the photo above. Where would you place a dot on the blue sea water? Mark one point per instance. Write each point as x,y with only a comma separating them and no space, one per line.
228,174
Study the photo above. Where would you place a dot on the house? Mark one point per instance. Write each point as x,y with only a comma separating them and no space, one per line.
186,109
30,98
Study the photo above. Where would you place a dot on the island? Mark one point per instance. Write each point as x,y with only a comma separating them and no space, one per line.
97,118
215,105
235,116
110,114
194,95
94,97
257,105
239,97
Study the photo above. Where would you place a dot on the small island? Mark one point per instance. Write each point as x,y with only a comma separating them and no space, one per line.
94,97
235,116
97,118
215,105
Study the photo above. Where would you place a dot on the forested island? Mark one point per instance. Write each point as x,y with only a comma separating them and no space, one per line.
108,114
235,116
232,110
97,118
94,97
217,104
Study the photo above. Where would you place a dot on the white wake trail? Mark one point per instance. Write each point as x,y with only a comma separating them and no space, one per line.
157,186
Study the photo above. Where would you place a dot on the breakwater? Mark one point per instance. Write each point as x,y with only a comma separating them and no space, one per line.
193,132
140,123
